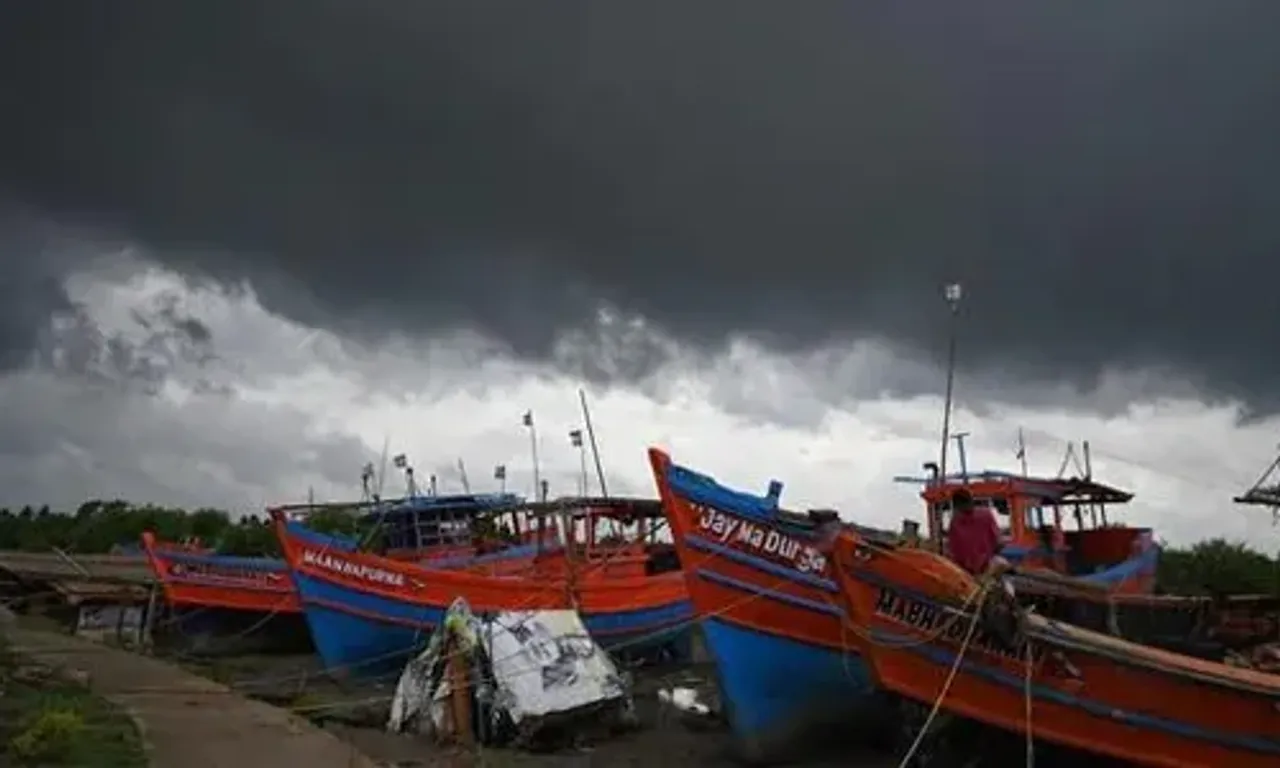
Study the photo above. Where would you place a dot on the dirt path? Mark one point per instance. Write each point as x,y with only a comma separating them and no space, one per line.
189,721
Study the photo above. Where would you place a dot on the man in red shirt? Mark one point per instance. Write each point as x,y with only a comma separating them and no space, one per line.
973,536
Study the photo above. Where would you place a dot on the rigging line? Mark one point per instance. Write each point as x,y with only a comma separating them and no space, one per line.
1144,465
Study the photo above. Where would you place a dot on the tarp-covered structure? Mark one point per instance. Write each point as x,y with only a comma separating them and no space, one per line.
503,677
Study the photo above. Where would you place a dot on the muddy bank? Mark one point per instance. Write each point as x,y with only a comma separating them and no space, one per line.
357,711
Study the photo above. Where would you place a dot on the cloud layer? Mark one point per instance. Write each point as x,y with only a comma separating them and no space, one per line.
129,399
1101,178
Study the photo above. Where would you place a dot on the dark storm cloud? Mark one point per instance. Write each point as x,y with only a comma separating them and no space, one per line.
1103,176
30,288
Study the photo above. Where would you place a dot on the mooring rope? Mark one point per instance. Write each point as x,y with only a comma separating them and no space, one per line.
946,688
1031,747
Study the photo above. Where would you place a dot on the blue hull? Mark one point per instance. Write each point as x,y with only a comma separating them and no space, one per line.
370,635
775,689
362,634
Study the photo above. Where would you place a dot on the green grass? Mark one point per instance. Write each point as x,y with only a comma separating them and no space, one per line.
47,721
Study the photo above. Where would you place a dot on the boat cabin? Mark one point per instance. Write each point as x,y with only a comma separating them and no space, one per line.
1059,524
432,526
627,536
618,536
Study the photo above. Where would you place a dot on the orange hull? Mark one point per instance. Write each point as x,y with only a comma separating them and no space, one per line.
1087,690
211,581
367,612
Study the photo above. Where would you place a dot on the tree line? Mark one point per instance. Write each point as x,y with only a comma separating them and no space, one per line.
1215,566
98,527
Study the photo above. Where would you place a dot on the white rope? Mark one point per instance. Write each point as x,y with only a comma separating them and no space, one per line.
946,686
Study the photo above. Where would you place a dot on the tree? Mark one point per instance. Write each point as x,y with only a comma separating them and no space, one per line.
1218,567
97,526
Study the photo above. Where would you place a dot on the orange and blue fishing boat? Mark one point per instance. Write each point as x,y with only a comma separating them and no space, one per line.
368,613
933,635
1035,514
769,606
413,528
1075,563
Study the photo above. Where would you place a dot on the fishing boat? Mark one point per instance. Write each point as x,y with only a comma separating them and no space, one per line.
199,576
368,613
935,636
767,601
1034,514
223,603
1099,575
413,528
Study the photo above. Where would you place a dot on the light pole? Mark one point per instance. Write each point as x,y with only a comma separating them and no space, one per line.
952,293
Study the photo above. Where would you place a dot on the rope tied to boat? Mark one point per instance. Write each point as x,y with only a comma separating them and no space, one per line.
996,615
951,676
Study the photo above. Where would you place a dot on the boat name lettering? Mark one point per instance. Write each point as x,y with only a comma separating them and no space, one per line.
347,568
207,570
931,618
762,539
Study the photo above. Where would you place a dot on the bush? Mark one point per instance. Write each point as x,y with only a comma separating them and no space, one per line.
48,737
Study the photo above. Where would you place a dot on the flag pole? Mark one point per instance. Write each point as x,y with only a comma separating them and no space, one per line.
462,471
533,450
591,435
575,439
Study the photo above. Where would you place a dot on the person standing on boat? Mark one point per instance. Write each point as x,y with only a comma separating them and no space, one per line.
973,535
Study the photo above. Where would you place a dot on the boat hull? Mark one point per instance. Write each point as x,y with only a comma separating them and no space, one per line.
1085,690
772,619
369,614
207,580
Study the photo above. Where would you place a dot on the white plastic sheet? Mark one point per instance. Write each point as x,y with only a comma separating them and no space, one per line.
524,665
